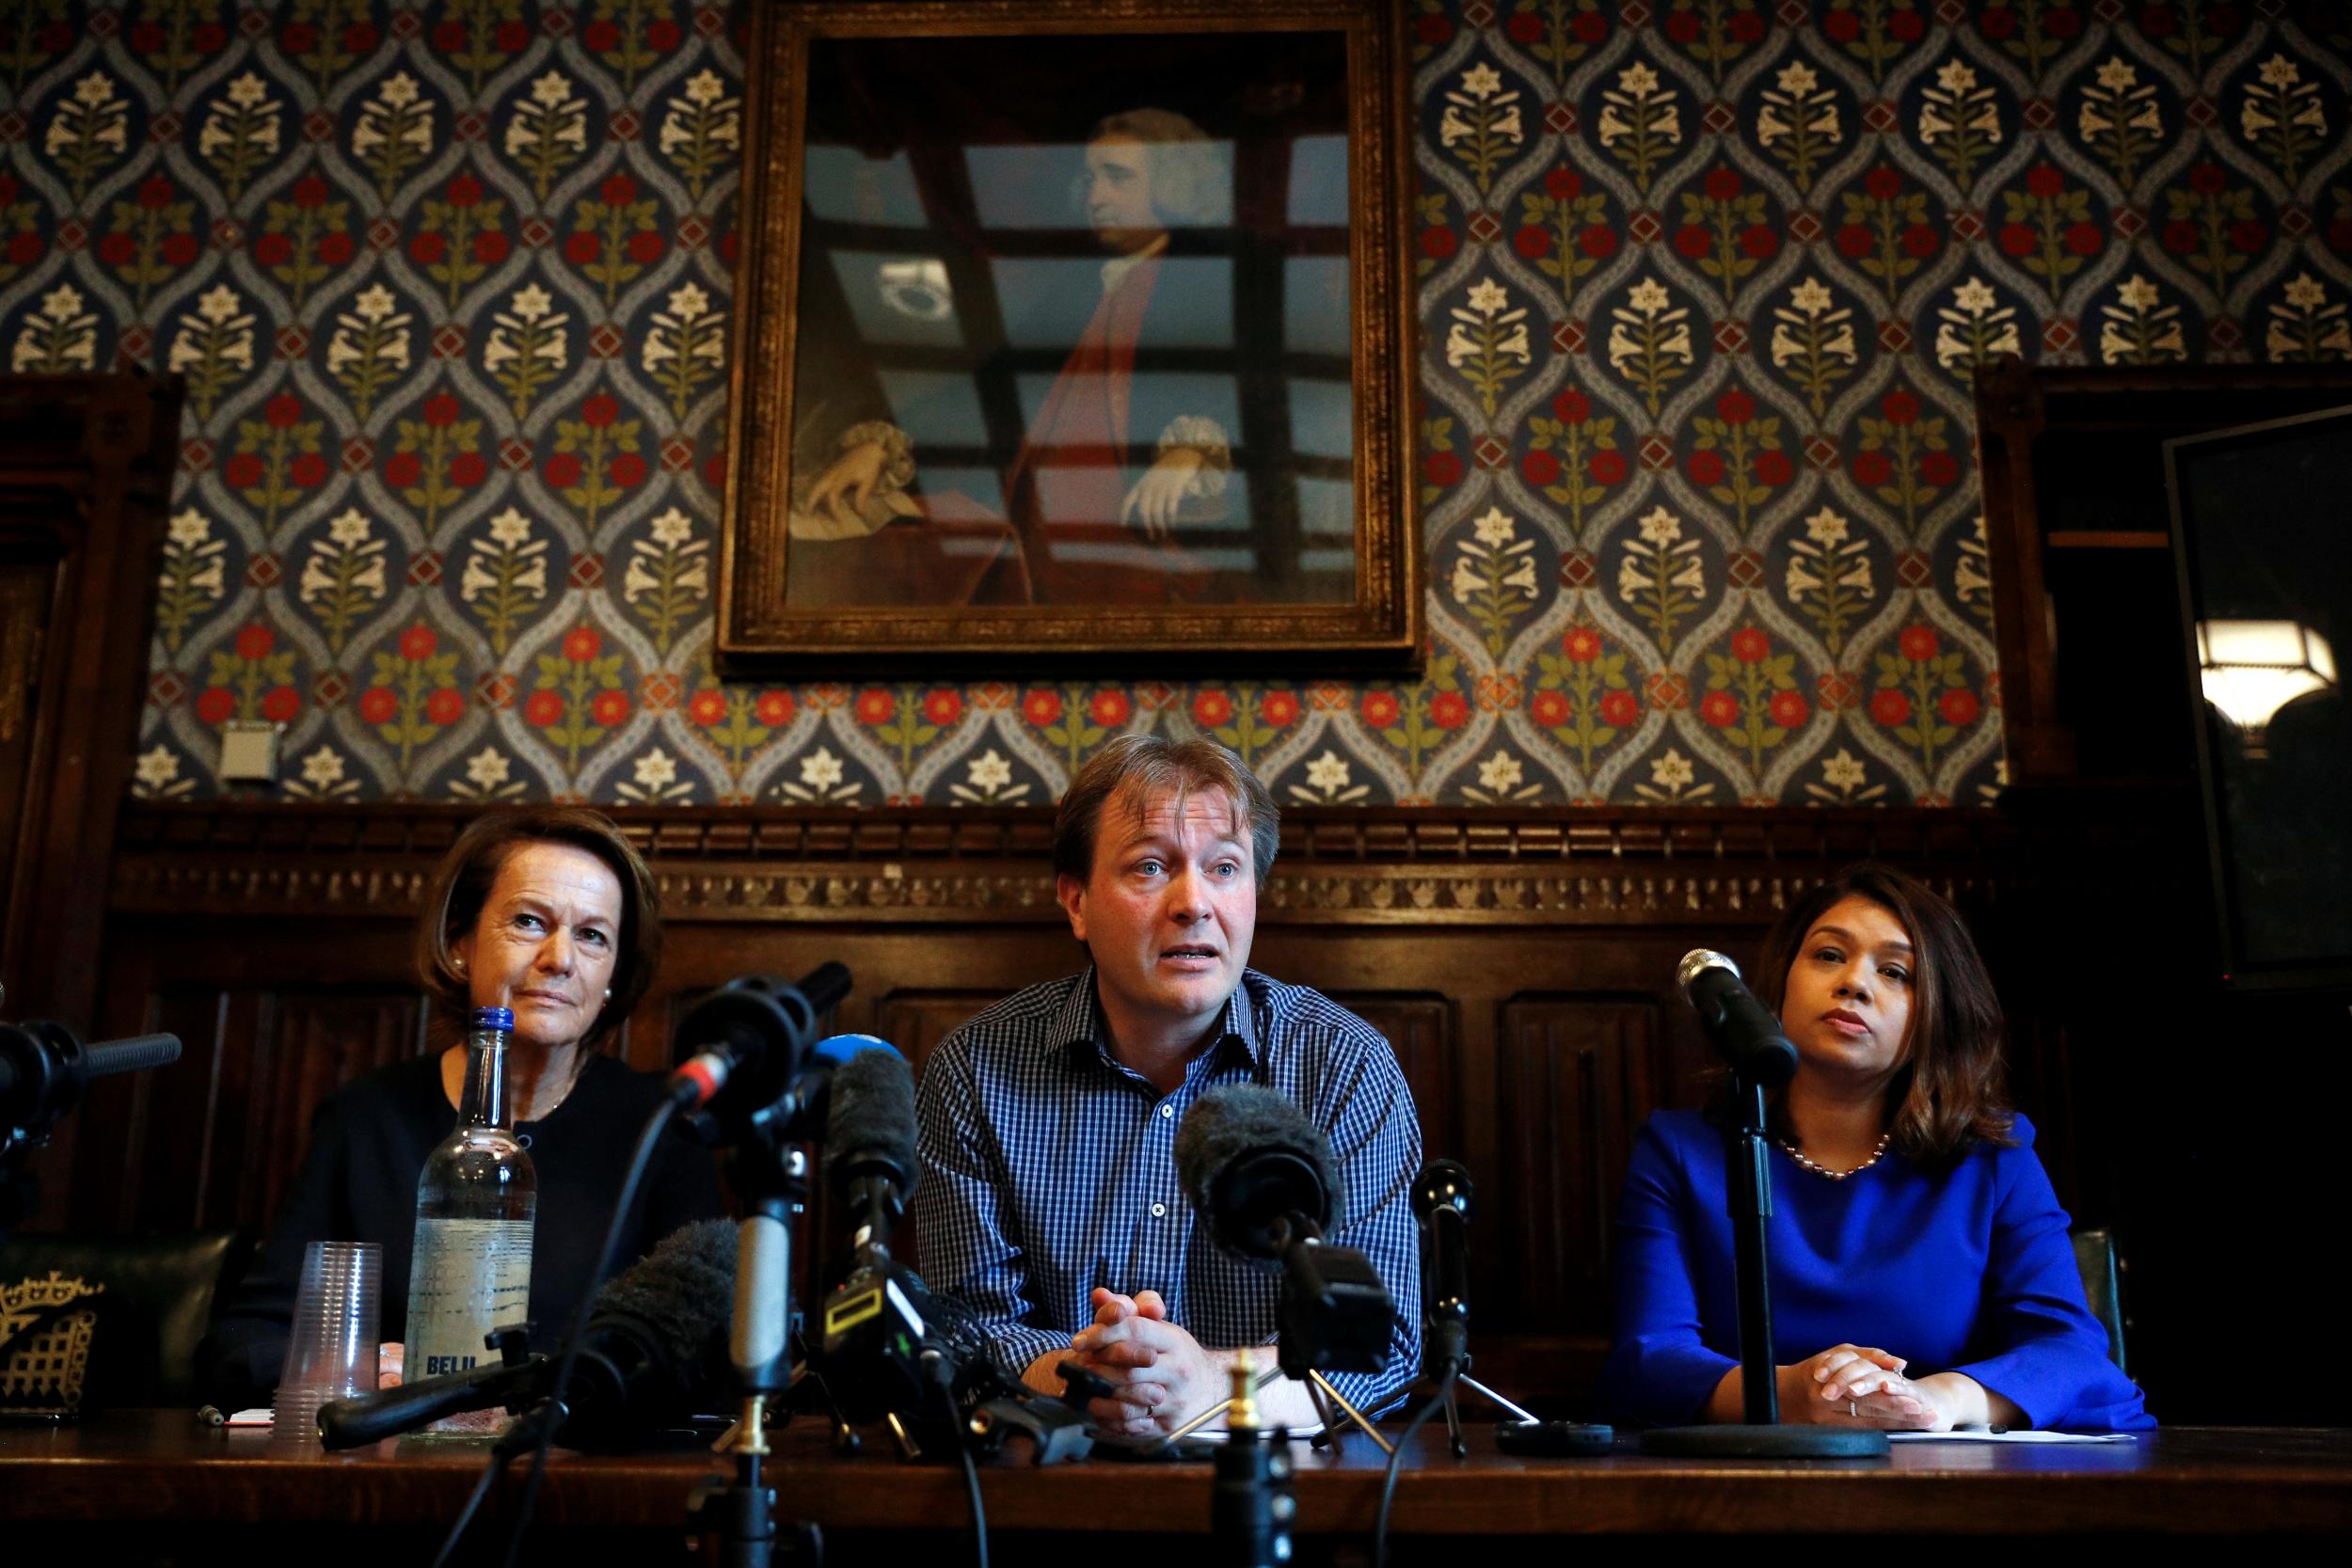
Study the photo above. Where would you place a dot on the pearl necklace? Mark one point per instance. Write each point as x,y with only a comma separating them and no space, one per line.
1818,1169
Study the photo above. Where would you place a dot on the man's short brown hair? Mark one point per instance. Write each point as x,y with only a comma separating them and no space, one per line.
1136,767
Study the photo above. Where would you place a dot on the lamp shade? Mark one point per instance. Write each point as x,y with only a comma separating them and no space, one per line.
2250,670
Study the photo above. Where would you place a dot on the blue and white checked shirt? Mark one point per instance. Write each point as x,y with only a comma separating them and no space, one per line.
1049,1168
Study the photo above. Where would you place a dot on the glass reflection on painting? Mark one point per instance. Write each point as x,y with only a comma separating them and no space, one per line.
1073,324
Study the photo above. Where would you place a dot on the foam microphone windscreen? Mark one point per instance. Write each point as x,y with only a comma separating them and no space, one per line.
673,1303
1248,1159
871,1118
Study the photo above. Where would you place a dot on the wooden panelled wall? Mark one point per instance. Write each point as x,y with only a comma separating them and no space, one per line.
1520,962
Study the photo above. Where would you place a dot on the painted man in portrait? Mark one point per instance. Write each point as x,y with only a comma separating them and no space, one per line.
1114,461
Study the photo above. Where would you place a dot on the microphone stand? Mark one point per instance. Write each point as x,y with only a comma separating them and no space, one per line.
771,1172
1356,1311
773,1178
758,1345
1251,1503
1442,1199
1318,1387
1761,1436
1454,1406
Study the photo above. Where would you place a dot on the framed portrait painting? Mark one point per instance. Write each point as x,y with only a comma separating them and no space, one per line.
1073,333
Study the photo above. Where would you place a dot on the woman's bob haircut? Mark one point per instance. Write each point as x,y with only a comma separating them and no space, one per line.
461,885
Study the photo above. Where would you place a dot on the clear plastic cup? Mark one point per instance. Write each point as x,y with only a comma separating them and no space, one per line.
331,1352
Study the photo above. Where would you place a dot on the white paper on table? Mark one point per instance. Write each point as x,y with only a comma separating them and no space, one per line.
1218,1434
2002,1435
260,1417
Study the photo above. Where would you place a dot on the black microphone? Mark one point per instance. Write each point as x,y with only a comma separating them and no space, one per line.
42,1062
752,1033
1262,1175
883,1351
656,1343
1742,1029
870,1162
1256,1169
1441,1201
45,1070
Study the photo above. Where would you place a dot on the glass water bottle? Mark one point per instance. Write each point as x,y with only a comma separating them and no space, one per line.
476,1200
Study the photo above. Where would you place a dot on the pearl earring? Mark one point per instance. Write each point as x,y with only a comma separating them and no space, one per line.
608,993
458,964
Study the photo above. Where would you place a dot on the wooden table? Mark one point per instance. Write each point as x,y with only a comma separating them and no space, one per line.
161,1472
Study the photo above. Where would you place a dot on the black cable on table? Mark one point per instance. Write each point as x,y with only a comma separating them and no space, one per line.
656,1124
1430,1406
971,1470
490,1472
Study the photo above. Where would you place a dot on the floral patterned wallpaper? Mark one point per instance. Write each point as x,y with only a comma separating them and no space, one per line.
1702,285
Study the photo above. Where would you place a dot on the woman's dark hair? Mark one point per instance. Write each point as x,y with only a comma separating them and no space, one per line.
461,885
1946,1094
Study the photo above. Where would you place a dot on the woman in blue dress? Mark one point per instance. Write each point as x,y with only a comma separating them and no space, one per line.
1921,1273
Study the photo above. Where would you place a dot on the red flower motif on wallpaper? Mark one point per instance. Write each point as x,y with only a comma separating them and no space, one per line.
1923,695
1752,695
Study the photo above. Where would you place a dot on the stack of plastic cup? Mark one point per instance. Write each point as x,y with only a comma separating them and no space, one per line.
332,1353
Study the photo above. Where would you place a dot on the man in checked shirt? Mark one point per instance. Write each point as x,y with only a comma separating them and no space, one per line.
1050,1204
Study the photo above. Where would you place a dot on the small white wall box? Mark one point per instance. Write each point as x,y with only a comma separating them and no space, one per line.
249,751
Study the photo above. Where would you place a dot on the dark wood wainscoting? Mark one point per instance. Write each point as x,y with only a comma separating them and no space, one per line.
1520,964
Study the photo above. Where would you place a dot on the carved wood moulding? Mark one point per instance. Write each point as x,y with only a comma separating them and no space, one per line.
922,865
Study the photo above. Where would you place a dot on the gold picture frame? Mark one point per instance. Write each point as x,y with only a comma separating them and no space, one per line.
1073,333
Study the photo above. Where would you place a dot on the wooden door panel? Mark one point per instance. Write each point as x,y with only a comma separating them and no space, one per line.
1422,1031
1578,1074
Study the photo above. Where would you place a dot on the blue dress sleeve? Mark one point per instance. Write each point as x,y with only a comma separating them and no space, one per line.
2046,1352
1660,1371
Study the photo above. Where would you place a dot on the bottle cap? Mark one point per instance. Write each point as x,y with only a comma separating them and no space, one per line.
499,1019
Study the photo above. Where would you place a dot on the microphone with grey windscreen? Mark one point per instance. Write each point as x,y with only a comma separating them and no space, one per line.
1262,1174
870,1160
1256,1169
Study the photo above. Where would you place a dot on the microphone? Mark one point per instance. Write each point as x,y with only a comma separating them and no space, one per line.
40,1062
1262,1174
655,1343
750,1032
881,1349
1441,1201
870,1162
1741,1029
44,1072
1256,1169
